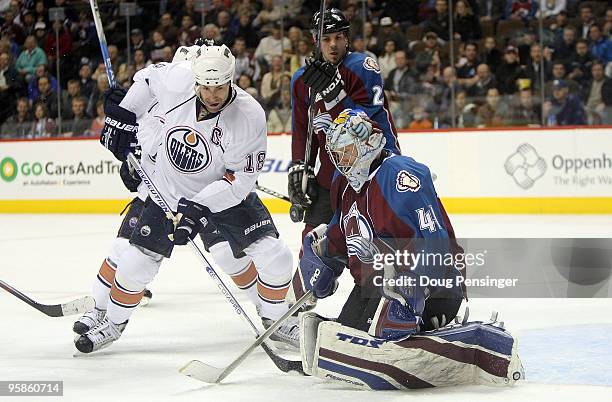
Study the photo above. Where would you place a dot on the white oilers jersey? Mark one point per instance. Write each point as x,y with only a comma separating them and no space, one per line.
149,135
214,161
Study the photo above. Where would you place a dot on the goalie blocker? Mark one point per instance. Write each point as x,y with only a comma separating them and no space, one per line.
474,353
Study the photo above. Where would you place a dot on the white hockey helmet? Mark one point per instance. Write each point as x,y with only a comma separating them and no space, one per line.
213,65
185,53
352,156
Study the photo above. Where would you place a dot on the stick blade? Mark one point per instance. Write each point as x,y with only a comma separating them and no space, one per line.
202,372
78,306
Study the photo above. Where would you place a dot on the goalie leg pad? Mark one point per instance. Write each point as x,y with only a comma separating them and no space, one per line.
309,324
471,354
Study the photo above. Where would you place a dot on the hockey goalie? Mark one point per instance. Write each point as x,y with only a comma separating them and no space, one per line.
393,331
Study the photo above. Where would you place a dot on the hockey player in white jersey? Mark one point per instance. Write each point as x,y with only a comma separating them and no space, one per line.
149,127
213,147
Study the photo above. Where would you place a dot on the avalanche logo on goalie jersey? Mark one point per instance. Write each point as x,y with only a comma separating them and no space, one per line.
359,236
187,150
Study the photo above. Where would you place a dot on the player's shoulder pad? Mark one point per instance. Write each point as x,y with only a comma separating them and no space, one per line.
400,174
362,64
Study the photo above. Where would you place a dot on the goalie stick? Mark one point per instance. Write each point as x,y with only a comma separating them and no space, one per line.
282,364
206,373
77,306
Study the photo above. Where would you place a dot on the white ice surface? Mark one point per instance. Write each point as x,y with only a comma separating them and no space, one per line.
54,258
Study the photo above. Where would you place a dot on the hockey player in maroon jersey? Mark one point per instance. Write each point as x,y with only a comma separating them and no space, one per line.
392,331
339,80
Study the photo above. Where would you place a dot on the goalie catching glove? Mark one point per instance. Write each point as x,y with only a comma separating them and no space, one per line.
324,78
190,219
120,126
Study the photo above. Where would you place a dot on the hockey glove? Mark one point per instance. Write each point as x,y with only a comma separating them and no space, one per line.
190,219
130,179
316,274
296,174
324,78
119,132
114,95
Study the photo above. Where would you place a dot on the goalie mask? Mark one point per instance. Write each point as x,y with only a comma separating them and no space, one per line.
352,156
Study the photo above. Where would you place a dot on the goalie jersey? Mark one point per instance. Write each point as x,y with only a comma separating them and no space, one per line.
210,158
397,205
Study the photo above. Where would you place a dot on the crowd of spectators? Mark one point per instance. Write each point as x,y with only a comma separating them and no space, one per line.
504,71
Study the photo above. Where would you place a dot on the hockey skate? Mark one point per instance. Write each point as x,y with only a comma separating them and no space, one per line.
100,336
146,298
88,320
287,334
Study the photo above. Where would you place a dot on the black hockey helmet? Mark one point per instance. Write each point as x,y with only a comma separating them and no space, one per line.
333,21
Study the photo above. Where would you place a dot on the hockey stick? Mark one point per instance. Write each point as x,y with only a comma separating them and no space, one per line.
272,193
204,372
77,306
102,39
283,364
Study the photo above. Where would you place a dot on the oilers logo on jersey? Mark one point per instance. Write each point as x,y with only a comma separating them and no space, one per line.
359,236
187,150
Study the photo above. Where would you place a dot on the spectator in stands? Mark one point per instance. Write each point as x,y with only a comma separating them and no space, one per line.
97,94
244,64
509,71
606,95
43,126
31,57
40,34
490,10
607,28
41,71
167,29
11,86
270,83
521,9
245,82
464,112
354,18
188,32
564,109
140,60
557,27
465,23
551,8
386,61
217,7
601,47
85,82
299,58
370,38
73,91
491,56
279,118
586,20
566,47
138,42
420,120
85,38
533,69
10,28
223,23
466,71
493,112
559,73
268,16
484,81
80,122
388,31
272,45
46,96
401,86
65,44
524,110
580,65
17,125
157,50
95,130
358,45
593,98
246,31
295,35
438,22
425,57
